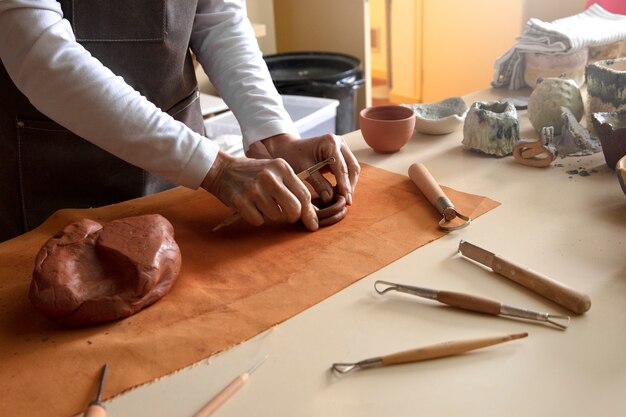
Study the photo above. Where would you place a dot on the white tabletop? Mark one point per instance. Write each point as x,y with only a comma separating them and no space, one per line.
569,227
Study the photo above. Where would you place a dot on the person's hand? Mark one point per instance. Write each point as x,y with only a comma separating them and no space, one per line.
261,189
303,153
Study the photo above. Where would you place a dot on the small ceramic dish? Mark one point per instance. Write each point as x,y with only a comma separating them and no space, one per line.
439,118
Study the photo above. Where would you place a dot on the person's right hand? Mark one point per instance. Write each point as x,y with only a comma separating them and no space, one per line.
260,189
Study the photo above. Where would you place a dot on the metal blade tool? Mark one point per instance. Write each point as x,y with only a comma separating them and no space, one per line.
534,281
473,303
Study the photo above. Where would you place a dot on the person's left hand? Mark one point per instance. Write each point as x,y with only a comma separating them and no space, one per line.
300,154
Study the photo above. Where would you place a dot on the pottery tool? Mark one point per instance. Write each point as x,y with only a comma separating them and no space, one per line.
433,192
302,175
473,303
534,153
541,284
228,391
439,350
96,408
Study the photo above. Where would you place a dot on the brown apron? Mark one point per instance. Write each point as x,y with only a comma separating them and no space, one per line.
44,167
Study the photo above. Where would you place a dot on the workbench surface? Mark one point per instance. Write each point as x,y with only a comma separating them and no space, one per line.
569,227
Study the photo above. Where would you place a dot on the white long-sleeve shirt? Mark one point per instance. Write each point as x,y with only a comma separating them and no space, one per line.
63,81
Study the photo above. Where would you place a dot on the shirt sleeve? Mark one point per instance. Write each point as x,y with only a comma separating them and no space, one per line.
224,43
64,82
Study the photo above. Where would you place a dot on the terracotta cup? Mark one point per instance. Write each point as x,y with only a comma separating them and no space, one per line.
386,129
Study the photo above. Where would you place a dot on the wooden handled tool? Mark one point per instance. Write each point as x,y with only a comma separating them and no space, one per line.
541,284
473,303
435,195
228,391
439,350
96,408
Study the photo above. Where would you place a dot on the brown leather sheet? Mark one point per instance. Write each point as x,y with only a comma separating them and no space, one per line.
233,285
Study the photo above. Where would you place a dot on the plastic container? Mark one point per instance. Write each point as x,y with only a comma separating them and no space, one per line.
313,116
320,74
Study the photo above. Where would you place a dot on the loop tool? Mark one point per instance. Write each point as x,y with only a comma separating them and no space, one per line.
473,303
439,350
433,192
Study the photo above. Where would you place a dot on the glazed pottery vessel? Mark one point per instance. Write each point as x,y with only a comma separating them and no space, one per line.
544,65
386,129
491,127
439,118
547,100
611,130
606,86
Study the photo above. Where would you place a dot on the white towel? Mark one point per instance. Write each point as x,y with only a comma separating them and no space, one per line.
595,26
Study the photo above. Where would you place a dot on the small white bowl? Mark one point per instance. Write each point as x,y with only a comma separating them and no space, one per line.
439,118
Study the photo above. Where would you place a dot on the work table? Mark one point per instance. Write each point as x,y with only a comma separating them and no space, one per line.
566,226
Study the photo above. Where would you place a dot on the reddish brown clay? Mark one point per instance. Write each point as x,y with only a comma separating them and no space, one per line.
89,273
331,213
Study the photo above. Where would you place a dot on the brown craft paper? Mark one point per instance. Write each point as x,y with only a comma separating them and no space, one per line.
233,285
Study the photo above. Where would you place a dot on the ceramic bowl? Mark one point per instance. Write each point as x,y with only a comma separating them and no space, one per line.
439,118
542,65
611,130
386,129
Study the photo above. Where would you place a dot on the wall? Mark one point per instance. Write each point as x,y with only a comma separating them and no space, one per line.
550,10
262,12
379,27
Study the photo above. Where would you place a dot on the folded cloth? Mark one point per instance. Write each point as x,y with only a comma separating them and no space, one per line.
595,26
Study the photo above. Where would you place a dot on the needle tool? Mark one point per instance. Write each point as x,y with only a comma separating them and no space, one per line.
302,175
534,281
96,408
439,350
228,391
473,303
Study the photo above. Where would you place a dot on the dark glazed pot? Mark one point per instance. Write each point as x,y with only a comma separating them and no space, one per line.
611,130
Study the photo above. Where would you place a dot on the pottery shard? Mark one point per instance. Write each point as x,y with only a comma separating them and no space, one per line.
89,273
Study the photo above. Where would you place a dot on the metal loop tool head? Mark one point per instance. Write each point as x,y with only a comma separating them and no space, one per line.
449,214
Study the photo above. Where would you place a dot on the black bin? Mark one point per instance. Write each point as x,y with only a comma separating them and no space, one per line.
320,74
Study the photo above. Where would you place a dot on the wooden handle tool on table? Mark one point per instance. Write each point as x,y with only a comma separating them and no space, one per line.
301,175
96,409
473,303
435,195
228,391
541,284
439,350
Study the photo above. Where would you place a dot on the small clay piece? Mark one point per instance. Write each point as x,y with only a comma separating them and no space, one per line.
620,170
546,100
533,153
574,139
491,127
89,273
330,213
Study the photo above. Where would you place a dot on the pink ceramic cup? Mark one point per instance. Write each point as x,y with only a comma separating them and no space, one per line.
386,129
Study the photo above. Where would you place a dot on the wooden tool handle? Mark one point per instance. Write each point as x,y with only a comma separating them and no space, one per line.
219,399
446,349
95,410
426,183
541,284
469,302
